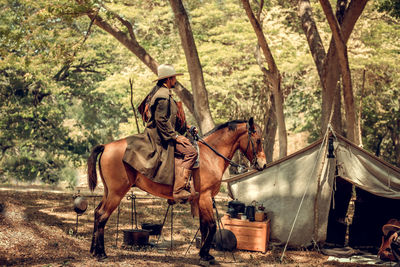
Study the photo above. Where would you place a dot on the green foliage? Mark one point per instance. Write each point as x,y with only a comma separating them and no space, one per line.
51,110
375,50
64,85
392,7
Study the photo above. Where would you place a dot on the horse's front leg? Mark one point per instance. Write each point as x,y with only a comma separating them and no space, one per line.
207,227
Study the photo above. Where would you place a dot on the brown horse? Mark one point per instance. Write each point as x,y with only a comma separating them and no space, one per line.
118,177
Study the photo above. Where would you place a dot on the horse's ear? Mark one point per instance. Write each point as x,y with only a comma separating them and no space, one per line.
251,124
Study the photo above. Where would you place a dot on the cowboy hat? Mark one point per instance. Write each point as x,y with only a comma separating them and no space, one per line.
390,228
166,71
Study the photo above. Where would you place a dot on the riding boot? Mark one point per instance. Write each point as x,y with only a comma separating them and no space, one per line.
182,176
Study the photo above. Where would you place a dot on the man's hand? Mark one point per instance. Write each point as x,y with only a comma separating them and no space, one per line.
182,140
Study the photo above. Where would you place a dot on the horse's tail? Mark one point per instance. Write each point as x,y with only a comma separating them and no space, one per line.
91,171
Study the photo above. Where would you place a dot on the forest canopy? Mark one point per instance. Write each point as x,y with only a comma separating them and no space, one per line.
64,81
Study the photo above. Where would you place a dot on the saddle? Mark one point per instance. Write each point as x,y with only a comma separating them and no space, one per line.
390,249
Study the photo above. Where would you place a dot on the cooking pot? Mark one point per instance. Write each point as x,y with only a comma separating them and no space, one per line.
154,228
232,212
138,237
80,205
224,240
236,205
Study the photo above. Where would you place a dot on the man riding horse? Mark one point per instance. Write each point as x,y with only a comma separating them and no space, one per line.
149,161
161,151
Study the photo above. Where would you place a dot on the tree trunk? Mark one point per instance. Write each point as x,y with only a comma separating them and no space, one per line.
269,133
341,49
200,95
348,19
328,66
318,53
274,79
359,131
313,37
331,91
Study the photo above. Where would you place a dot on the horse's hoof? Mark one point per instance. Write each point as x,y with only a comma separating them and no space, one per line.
207,258
207,263
204,263
214,262
101,257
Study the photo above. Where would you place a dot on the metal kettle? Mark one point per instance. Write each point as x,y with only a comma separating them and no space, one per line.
250,213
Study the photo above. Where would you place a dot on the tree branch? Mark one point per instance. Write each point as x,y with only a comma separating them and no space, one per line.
133,46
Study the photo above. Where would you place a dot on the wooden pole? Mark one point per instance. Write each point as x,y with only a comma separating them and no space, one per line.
133,107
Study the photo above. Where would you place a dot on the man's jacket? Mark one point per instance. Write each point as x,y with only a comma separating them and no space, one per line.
152,152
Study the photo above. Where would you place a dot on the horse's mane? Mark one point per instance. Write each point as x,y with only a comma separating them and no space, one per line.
230,124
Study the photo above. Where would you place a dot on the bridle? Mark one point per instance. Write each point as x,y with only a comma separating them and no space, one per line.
232,163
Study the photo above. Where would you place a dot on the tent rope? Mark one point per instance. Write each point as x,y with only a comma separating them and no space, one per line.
323,144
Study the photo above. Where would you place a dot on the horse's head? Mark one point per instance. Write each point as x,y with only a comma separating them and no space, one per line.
251,146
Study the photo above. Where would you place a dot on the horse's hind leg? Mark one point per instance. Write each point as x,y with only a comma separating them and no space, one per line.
101,217
95,226
207,226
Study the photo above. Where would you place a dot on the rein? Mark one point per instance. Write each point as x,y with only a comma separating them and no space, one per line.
232,163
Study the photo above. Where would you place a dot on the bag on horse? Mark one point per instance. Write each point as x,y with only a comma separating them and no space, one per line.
390,247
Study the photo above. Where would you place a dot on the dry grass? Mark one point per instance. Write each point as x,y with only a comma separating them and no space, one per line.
38,228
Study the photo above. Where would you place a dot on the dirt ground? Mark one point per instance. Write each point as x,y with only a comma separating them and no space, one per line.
39,228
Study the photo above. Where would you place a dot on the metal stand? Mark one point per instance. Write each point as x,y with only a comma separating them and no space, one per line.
116,238
132,198
165,218
77,220
191,242
172,223
80,206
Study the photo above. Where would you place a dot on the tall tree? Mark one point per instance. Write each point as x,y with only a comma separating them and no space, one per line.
341,51
200,95
273,75
125,34
328,63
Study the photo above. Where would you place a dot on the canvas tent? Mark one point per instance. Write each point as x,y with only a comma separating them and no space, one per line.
299,190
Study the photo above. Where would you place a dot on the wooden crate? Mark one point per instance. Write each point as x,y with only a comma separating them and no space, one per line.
252,236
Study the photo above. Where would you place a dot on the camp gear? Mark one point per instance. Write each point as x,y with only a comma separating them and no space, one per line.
281,186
